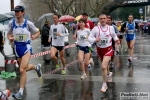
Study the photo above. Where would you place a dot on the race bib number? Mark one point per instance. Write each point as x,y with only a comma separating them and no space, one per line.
82,38
103,42
130,31
21,37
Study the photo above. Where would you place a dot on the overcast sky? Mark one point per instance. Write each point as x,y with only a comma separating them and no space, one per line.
5,5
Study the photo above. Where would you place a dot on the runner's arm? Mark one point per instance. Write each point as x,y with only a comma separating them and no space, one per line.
65,32
9,33
113,34
91,37
33,30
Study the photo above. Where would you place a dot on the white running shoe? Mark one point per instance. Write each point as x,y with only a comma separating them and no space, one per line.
83,76
104,88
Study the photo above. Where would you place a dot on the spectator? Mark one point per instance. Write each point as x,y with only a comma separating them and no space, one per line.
45,34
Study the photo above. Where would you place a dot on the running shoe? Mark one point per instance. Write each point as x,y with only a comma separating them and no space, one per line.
92,62
104,88
83,76
38,70
17,96
110,77
63,72
89,66
57,66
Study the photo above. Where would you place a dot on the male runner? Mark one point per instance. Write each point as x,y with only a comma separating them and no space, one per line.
57,33
21,29
103,35
130,27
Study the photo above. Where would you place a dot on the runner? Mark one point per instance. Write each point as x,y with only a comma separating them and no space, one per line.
57,32
84,52
115,48
130,27
21,29
103,35
119,29
89,24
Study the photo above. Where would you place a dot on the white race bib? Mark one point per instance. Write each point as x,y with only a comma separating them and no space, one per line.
130,31
82,38
21,37
103,41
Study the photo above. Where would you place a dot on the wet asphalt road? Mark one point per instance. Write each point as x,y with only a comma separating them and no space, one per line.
127,77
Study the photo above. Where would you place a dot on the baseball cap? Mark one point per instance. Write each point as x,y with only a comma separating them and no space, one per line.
19,8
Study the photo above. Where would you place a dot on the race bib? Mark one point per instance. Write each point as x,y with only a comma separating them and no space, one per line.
103,42
130,31
21,37
82,38
55,35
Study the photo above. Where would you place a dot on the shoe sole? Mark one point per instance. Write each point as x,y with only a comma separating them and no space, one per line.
16,98
83,78
104,91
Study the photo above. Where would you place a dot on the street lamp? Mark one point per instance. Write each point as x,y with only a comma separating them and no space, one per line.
145,12
11,5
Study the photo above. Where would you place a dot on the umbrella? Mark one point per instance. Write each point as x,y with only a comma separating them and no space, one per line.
66,18
80,16
136,20
148,20
5,17
41,21
95,19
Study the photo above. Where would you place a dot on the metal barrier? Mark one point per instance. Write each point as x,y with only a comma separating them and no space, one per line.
10,65
46,57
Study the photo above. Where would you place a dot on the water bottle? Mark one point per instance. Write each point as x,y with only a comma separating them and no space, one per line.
4,94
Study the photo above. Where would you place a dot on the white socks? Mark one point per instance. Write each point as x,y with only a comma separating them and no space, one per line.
21,91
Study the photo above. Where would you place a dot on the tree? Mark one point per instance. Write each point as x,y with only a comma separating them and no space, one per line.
122,13
36,8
